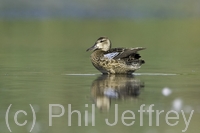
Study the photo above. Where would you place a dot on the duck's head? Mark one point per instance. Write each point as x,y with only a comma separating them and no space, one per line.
103,43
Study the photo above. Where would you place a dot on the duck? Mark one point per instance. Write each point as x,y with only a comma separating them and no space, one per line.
114,60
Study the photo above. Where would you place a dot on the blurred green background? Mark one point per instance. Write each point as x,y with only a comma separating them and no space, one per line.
43,41
132,9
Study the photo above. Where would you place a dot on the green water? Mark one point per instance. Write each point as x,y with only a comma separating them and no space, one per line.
45,62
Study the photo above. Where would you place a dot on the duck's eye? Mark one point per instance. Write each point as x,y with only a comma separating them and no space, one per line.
102,40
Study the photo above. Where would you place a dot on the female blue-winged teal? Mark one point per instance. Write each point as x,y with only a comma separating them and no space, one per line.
115,60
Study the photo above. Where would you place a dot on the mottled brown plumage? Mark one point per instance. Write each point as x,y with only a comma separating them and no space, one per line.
115,60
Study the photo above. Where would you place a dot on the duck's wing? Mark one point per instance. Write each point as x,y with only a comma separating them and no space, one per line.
119,53
111,55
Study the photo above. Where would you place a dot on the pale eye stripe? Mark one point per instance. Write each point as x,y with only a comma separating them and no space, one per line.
111,55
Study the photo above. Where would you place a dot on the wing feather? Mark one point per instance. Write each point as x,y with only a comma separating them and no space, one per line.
111,55
124,52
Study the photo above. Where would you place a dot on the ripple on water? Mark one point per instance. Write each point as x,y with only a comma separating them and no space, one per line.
148,74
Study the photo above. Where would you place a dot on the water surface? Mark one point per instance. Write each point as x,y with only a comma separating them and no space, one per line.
44,63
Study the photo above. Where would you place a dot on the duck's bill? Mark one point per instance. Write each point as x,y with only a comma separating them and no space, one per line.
94,47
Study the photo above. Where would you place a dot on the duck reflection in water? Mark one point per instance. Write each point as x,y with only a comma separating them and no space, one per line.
121,87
